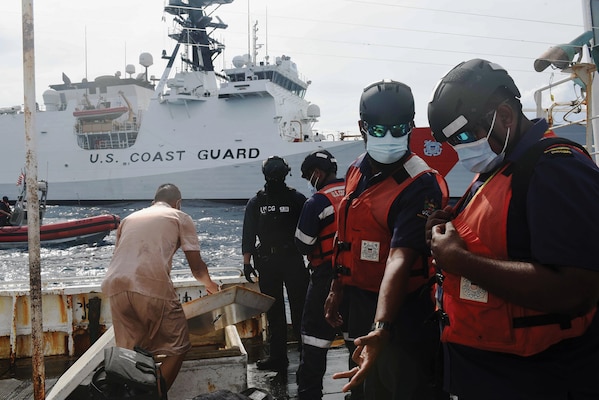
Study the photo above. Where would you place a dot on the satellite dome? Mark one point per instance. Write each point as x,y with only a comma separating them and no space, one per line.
130,69
238,61
145,59
51,100
313,111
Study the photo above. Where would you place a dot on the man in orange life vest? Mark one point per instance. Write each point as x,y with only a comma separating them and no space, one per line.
521,279
389,194
314,237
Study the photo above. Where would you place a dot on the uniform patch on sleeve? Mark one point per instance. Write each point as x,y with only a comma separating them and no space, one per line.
559,151
429,206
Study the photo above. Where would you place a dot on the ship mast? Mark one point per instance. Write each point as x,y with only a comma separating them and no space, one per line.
197,26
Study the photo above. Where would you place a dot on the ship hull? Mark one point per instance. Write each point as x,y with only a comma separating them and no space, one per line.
213,159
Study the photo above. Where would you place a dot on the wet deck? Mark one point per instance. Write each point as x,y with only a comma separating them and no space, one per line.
283,385
17,385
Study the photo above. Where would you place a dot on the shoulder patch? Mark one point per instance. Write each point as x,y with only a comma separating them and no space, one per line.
559,151
429,206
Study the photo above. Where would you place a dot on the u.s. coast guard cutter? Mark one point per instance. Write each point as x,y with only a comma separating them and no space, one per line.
117,138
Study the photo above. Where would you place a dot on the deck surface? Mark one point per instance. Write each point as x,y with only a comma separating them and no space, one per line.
283,385
17,385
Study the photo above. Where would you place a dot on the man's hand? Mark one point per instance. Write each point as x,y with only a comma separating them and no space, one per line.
248,271
212,287
446,246
436,218
368,349
332,304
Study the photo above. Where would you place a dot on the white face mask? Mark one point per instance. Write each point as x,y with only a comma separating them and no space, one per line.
478,156
387,149
312,185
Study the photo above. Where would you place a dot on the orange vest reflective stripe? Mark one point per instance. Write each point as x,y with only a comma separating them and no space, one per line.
480,319
323,251
363,237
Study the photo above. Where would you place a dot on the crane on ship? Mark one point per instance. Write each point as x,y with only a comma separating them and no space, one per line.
130,113
570,58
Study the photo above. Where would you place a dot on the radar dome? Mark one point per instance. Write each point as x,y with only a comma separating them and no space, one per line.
51,100
313,111
130,69
238,61
145,59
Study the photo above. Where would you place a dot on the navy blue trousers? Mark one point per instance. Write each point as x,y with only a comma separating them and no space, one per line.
276,271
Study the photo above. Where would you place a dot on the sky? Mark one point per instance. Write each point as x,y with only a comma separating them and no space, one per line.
341,46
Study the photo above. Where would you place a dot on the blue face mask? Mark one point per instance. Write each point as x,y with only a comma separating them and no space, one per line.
387,149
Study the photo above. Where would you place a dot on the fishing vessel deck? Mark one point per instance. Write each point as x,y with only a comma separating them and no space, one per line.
75,316
15,384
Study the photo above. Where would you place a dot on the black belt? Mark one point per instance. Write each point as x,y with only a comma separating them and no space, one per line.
269,250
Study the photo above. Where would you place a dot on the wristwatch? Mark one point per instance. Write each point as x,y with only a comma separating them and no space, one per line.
381,325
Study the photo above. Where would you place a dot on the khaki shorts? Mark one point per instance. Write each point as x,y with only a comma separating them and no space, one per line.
156,325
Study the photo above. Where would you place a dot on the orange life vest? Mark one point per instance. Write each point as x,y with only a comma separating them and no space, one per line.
363,237
323,251
480,319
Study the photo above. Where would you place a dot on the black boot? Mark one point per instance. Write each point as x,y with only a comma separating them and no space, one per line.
272,364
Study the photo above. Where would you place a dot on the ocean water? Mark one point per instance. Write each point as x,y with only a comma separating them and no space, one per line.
219,227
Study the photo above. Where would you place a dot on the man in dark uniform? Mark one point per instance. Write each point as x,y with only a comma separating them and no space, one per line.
271,216
314,237
5,212
389,193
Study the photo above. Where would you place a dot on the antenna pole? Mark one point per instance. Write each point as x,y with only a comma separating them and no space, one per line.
249,29
85,36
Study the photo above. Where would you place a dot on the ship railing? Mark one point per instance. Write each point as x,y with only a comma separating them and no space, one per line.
76,312
102,127
87,281
581,73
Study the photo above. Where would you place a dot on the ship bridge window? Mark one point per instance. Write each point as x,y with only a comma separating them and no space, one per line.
288,84
265,75
237,77
92,90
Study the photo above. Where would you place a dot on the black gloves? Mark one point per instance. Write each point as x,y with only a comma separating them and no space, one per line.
248,270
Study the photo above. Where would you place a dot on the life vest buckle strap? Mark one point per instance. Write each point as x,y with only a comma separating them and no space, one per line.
439,316
341,270
438,278
343,246
564,321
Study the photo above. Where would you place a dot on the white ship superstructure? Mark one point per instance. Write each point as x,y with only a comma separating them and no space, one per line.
114,138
